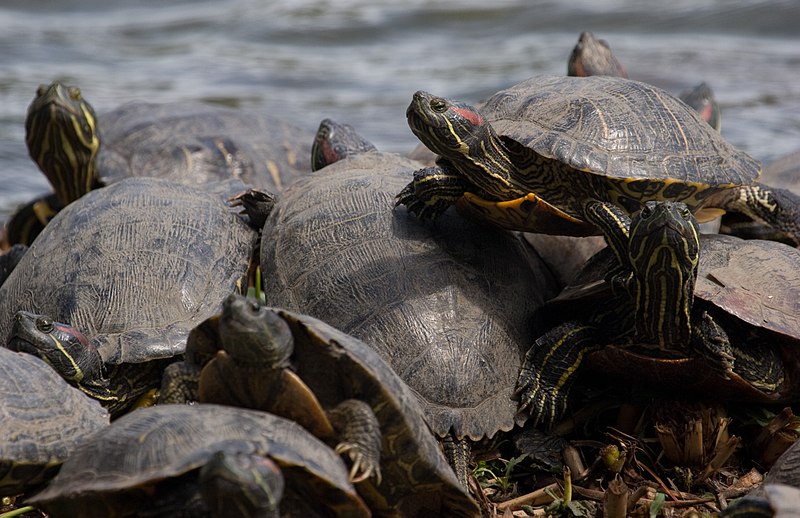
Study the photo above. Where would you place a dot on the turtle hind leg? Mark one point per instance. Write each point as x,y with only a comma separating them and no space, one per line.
549,369
457,452
778,208
359,437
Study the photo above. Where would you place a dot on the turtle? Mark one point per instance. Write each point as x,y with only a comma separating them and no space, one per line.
336,387
188,142
449,306
201,460
577,155
692,318
779,494
44,420
592,56
109,291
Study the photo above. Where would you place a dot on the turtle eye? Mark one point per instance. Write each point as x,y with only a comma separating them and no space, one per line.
438,105
646,212
686,213
254,307
44,324
75,93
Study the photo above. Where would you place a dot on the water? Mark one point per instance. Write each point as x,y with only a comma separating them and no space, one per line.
359,61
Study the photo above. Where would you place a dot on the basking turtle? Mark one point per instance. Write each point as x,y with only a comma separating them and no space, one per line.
567,155
201,460
447,306
693,317
336,387
44,420
189,143
111,288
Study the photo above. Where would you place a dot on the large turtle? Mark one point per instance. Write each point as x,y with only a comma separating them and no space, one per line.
574,155
447,306
337,388
43,421
201,460
190,143
705,314
118,279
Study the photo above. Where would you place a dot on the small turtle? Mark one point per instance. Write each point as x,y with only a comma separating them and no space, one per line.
43,421
111,288
336,387
201,460
189,143
449,306
693,317
575,156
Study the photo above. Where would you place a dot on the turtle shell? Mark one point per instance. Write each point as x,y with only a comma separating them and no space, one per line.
121,468
448,306
133,266
618,128
194,143
44,420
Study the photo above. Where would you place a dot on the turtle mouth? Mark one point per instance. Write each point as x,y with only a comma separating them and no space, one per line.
20,345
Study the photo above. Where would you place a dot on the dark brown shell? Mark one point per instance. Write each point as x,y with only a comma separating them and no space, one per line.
447,305
43,421
617,128
194,143
134,266
115,472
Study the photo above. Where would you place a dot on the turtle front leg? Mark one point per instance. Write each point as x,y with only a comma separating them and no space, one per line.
433,190
711,341
615,225
359,436
778,208
549,370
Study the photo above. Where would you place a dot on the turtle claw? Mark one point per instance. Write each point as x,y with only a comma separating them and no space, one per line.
362,467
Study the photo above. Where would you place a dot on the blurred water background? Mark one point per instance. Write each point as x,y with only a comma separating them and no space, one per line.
359,61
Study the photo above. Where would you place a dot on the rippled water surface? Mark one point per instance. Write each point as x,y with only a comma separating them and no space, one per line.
359,61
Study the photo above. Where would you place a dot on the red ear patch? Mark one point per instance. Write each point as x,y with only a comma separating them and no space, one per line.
471,115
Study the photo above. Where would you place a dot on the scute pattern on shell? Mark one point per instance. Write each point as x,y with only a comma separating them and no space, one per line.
617,128
448,306
43,419
134,266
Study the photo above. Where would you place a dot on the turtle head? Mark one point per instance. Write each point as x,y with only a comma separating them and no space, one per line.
592,56
241,484
664,252
254,335
449,128
334,142
61,134
65,348
701,98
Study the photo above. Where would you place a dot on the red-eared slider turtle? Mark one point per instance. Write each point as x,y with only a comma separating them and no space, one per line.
337,388
569,155
43,421
189,143
201,460
119,278
710,314
447,306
